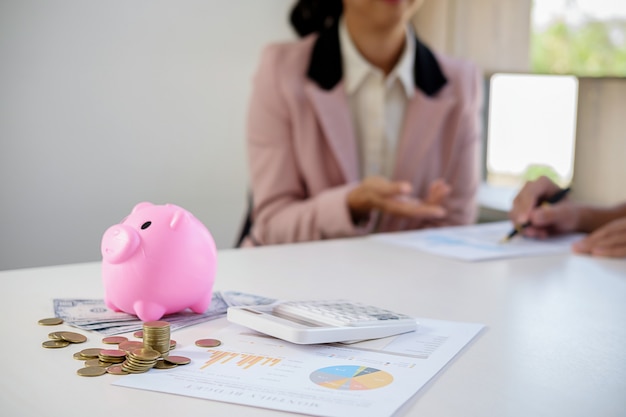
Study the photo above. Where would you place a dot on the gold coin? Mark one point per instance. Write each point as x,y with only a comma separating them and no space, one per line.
93,362
79,356
178,360
114,340
130,345
113,353
135,371
52,344
115,359
55,335
90,353
73,337
162,364
52,321
91,371
141,360
208,343
145,354
156,324
116,370
133,366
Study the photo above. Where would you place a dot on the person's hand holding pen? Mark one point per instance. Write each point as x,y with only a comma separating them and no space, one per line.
534,219
606,226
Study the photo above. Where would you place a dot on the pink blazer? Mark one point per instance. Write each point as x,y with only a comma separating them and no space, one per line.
302,149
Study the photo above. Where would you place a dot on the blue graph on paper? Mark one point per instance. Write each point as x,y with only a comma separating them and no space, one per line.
478,242
449,241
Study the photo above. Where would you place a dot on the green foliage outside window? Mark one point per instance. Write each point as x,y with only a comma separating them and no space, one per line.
593,48
535,171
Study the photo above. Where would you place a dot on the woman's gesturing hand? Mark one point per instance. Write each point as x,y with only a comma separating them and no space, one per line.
394,197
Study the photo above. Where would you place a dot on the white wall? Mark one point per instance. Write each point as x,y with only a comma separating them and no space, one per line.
494,34
104,104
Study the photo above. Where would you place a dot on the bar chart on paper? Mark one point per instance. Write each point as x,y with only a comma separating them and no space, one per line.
243,360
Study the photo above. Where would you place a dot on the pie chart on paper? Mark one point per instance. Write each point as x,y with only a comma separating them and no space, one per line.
351,377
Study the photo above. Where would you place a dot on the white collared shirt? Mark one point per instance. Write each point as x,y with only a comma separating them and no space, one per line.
377,103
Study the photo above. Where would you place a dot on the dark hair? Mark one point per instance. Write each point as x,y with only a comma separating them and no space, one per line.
309,16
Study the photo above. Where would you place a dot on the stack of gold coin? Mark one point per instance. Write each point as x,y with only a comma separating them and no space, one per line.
140,360
111,356
156,336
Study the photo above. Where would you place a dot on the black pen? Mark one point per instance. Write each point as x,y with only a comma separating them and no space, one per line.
555,198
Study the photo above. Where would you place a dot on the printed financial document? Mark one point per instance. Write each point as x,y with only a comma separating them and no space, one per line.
367,379
479,242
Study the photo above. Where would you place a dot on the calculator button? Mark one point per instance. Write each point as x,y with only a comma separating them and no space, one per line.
338,313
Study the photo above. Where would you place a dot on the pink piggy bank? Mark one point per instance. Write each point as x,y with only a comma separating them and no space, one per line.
159,260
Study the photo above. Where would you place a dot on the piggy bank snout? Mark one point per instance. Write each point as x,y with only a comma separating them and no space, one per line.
119,243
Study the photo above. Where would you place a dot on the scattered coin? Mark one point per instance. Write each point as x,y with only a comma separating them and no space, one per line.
138,334
208,343
114,340
91,371
73,337
130,345
162,364
90,353
63,339
94,362
53,344
113,353
131,356
177,360
53,321
116,370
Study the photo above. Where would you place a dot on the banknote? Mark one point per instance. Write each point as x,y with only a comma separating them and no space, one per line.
94,315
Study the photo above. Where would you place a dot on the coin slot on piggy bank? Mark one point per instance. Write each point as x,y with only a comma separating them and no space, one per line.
159,260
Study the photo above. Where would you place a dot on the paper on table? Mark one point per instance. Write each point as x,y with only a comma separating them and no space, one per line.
479,242
369,379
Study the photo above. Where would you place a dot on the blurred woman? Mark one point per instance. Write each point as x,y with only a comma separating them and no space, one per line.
359,127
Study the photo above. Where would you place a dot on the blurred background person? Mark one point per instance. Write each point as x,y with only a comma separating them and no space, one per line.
359,127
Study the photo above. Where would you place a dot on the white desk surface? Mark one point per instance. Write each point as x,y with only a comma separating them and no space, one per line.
555,342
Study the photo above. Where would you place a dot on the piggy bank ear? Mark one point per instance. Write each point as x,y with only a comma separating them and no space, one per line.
180,217
141,206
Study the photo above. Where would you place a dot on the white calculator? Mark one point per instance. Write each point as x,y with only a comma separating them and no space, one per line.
322,321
